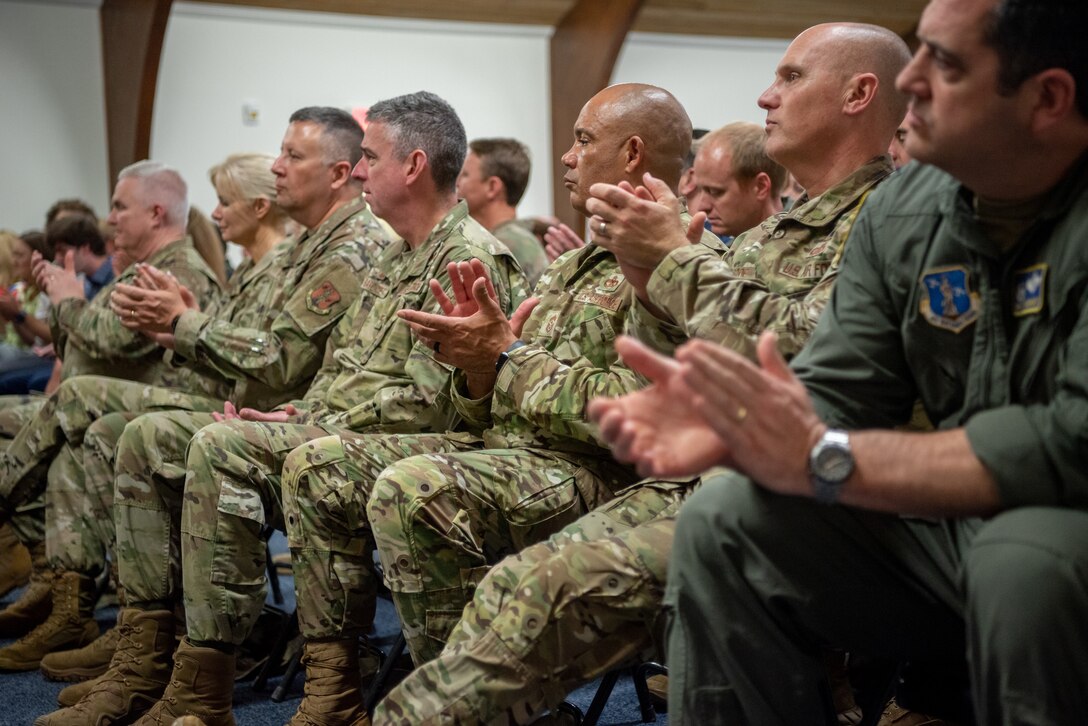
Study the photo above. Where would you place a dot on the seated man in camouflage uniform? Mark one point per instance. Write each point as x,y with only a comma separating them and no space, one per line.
491,182
553,468
564,611
150,206
373,377
259,349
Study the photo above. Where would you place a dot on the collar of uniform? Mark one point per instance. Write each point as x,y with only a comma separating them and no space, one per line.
827,207
956,206
165,251
431,246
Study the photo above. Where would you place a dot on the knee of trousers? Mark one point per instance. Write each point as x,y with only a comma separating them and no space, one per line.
1026,579
712,518
323,508
398,504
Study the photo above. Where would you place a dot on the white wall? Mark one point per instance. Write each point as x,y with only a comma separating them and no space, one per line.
215,58
717,79
52,113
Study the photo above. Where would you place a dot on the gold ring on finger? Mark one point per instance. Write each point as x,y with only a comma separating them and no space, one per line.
742,413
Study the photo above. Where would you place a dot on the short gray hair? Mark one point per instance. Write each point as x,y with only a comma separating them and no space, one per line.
162,185
424,121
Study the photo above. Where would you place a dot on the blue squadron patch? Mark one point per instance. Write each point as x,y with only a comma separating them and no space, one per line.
949,303
1030,290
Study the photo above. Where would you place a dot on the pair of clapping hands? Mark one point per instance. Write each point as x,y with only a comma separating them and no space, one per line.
152,303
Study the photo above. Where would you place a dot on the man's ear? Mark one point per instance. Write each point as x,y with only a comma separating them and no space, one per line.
415,164
495,188
341,173
1053,96
860,92
761,183
634,153
158,215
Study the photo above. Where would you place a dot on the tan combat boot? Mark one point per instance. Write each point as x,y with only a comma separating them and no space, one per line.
36,602
70,695
201,685
137,676
333,690
70,625
84,663
14,561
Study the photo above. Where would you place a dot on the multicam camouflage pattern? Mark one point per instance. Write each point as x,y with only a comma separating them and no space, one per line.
557,614
79,513
90,339
60,423
527,249
440,521
326,484
376,374
375,377
777,277
563,612
271,347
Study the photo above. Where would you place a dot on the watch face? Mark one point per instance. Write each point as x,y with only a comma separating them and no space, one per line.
833,463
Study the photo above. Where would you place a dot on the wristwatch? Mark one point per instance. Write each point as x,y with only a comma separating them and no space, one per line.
830,464
505,355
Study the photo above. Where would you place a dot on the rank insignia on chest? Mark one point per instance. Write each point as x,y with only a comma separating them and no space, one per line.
323,297
611,283
949,302
1030,290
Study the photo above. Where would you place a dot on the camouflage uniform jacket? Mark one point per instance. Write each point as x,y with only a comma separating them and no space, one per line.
777,276
273,351
526,247
376,374
541,393
90,339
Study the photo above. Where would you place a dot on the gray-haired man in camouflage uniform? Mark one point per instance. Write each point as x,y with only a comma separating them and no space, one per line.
149,211
566,610
373,377
260,348
540,467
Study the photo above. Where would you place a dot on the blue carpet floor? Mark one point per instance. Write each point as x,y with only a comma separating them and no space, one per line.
24,696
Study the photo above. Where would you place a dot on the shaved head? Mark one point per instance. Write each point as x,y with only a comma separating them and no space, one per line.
654,115
855,48
623,132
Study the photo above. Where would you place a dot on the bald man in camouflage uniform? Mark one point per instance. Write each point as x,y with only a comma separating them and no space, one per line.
373,376
588,600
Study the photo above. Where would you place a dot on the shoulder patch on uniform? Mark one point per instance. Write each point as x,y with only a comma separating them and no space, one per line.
1030,290
322,298
949,302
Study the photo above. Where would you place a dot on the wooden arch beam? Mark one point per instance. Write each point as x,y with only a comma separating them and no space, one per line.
132,36
584,48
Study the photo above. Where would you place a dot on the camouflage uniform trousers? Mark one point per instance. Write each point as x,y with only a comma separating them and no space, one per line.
226,494
47,453
556,615
326,484
28,519
440,521
79,497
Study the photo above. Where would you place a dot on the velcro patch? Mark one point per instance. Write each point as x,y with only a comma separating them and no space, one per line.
609,302
323,297
949,302
1030,290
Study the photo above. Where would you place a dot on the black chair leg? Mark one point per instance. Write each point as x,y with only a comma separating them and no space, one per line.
645,703
288,679
273,577
600,699
274,657
374,691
